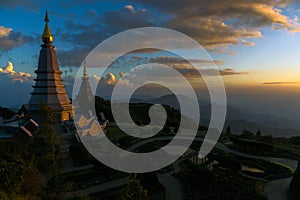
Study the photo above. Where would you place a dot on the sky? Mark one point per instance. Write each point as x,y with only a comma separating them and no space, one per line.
255,44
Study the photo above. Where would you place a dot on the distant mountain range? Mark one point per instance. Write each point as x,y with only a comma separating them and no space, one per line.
237,119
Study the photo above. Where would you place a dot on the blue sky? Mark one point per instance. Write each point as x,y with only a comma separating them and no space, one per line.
257,40
26,17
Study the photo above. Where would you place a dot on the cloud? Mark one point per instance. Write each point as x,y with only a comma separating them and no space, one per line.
10,39
4,32
84,37
102,85
24,3
72,57
247,43
220,23
9,71
14,93
126,18
137,74
130,64
121,74
217,25
183,66
129,7
231,71
196,73
110,79
170,60
15,87
280,83
213,33
131,60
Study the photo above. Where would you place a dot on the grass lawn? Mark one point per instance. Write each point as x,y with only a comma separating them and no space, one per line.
114,132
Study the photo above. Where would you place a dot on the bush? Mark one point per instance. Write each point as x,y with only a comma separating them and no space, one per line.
125,141
6,113
80,155
230,162
295,184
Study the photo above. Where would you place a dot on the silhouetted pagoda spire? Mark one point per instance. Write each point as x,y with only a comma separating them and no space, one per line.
49,87
85,95
85,74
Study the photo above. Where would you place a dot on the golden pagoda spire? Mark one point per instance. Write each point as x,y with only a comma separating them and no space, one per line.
85,74
47,37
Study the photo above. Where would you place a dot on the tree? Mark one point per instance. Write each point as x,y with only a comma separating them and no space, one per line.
46,145
166,129
19,176
134,190
25,168
228,131
295,184
247,134
149,180
258,133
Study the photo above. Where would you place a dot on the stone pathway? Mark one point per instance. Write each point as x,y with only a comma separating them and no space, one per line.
277,189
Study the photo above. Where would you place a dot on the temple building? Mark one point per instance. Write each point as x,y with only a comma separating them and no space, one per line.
87,122
49,87
85,95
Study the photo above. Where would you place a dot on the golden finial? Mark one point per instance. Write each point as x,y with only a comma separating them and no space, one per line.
85,74
46,19
47,37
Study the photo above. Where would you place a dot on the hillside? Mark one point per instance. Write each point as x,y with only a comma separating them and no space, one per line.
238,119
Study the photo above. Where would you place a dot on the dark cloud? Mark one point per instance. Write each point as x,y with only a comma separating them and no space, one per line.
177,61
215,24
220,23
72,3
185,68
127,18
19,3
194,73
231,71
279,83
204,67
10,39
85,37
73,57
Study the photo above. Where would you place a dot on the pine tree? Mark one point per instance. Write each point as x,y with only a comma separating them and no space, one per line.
46,145
228,131
258,133
19,176
134,190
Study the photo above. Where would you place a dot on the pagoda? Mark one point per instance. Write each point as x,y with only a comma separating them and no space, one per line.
49,87
85,97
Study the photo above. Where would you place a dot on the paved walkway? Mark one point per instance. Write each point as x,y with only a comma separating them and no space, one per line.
277,189
173,187
74,169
